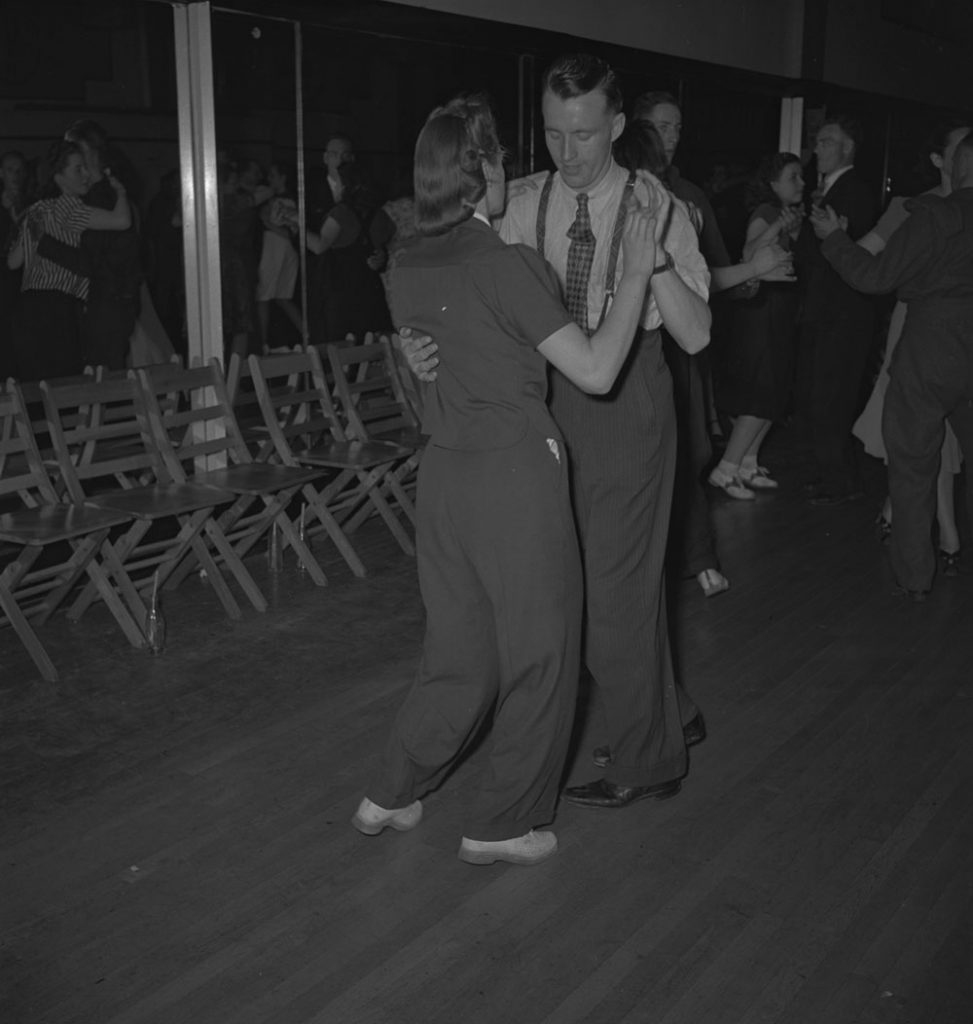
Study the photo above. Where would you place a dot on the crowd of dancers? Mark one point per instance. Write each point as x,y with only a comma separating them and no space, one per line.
562,324
513,475
87,279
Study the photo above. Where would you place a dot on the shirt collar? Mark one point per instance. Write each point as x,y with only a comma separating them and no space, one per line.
602,190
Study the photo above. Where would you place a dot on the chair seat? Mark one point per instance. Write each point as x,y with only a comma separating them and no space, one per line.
353,454
161,501
257,477
408,437
51,523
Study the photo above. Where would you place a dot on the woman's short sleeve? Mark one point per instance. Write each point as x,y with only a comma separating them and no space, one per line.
527,294
766,212
68,218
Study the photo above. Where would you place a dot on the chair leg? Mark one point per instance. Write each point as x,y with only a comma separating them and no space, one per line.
226,521
216,578
124,585
405,502
131,627
83,551
318,504
302,549
240,572
22,627
378,501
179,563
367,484
275,512
123,548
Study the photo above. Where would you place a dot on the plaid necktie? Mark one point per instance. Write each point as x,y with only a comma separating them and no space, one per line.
581,254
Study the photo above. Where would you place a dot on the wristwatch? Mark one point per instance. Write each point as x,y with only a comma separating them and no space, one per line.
668,264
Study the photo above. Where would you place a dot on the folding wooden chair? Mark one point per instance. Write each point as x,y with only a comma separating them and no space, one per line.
371,399
193,425
373,407
73,538
246,408
33,404
111,462
295,398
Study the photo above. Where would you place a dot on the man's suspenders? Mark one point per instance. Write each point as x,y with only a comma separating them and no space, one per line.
616,242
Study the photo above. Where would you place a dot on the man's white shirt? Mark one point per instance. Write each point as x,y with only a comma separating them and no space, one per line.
520,225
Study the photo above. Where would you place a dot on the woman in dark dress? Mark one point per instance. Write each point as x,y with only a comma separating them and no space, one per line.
498,560
354,236
755,381
240,194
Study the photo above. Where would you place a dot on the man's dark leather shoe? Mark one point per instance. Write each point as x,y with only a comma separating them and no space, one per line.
693,732
603,793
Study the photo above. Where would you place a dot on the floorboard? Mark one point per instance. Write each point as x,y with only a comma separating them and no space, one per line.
175,841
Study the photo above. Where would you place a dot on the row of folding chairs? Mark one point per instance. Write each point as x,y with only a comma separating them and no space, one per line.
113,484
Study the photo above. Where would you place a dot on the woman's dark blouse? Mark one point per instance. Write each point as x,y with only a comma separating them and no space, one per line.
487,305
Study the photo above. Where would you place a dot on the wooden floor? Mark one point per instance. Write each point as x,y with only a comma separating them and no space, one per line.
176,848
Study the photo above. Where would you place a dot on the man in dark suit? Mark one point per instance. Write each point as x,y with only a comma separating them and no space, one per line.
837,325
324,191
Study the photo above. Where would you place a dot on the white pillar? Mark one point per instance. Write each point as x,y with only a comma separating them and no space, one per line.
200,187
791,124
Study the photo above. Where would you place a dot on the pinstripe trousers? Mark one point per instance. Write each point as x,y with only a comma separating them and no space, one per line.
622,449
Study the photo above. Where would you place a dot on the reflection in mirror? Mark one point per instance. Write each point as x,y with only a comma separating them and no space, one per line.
92,290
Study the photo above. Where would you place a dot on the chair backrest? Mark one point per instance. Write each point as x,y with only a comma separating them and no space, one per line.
371,399
295,399
101,436
191,417
33,400
24,479
246,406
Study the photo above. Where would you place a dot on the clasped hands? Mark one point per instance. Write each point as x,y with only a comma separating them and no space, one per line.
826,222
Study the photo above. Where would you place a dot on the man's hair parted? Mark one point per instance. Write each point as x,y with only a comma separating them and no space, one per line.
575,74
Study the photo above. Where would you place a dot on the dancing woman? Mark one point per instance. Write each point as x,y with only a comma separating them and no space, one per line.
756,380
48,338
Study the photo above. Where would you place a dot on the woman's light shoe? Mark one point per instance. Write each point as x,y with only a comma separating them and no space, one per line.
759,479
713,582
733,485
371,819
531,848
